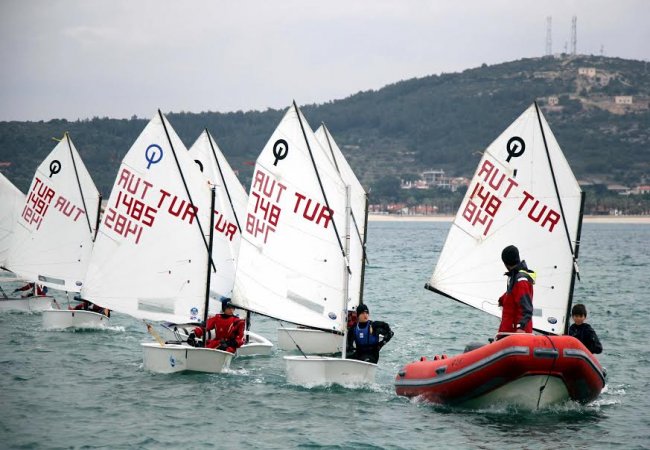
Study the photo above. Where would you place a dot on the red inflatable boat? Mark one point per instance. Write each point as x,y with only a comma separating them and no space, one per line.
523,369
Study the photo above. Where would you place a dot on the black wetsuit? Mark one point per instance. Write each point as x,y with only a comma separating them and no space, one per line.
585,334
367,348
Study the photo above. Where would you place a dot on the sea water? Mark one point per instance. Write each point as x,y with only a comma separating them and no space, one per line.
87,389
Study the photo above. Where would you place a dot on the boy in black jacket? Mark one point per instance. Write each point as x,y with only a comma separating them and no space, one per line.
582,331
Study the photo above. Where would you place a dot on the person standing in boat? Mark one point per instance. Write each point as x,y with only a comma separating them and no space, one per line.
364,340
31,290
517,301
225,330
582,331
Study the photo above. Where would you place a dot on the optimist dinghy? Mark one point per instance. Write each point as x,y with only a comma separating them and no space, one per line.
153,255
294,256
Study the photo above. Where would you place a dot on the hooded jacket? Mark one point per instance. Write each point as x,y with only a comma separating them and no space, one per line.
517,301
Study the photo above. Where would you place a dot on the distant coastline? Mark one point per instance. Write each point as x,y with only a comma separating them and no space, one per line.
587,219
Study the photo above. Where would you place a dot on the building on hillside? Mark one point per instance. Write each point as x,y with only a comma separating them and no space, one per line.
619,189
414,184
640,190
553,100
435,178
623,99
587,71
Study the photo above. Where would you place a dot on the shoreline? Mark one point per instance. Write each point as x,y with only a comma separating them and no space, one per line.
645,220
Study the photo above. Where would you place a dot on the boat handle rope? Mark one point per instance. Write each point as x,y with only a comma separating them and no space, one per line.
541,388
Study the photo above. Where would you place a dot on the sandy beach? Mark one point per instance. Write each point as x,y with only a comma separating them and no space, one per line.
587,219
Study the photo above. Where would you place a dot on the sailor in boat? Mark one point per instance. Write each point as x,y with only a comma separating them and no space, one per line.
367,337
31,290
582,331
85,305
517,301
225,330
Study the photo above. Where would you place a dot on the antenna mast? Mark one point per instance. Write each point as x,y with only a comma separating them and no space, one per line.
549,41
574,35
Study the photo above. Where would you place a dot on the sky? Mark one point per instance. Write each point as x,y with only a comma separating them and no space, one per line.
78,59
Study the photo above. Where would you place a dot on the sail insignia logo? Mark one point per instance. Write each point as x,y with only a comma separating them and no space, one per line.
515,147
194,312
153,154
332,315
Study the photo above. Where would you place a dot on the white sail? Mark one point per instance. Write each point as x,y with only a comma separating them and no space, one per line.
358,204
230,209
57,223
150,258
291,264
523,193
12,201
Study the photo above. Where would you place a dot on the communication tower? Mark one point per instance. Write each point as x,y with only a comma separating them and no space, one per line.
574,34
549,42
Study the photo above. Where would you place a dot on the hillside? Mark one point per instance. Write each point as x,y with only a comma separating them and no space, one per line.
439,121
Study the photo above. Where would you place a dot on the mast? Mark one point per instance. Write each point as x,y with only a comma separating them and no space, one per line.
209,271
574,272
363,253
346,272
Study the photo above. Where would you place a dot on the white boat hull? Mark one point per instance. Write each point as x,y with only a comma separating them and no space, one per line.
311,342
66,318
172,358
524,393
27,304
257,345
319,370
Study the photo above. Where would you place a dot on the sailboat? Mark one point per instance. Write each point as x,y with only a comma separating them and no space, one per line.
523,193
152,256
294,256
230,209
309,340
13,201
55,231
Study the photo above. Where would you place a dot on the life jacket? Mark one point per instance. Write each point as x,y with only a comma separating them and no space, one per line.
524,274
363,336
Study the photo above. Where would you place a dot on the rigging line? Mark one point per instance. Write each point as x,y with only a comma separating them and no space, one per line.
557,192
225,185
320,183
187,191
81,192
209,272
292,339
548,376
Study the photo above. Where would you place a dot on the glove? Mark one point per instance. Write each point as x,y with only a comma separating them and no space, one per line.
191,339
15,290
223,345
